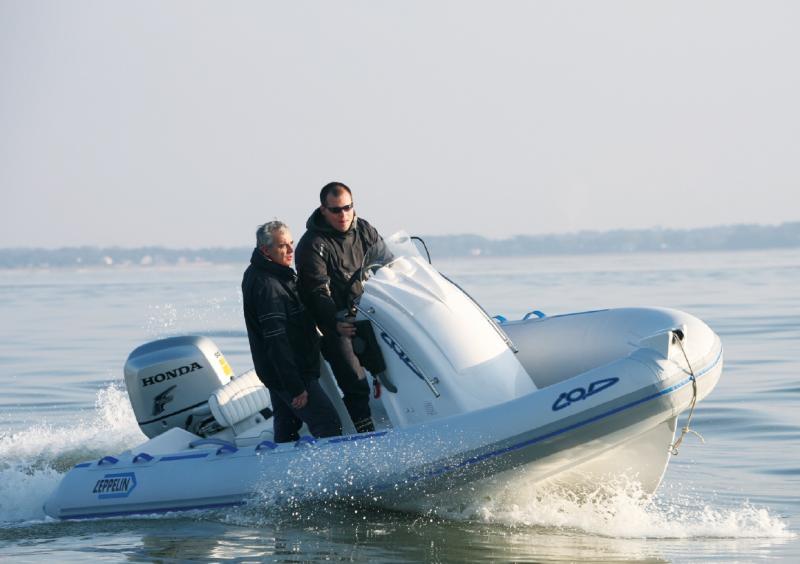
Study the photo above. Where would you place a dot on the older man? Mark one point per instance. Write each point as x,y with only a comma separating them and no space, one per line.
328,255
283,339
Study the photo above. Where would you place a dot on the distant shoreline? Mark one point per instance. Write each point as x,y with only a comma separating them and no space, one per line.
721,238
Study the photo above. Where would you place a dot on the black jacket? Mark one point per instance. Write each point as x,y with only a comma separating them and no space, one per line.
326,260
283,340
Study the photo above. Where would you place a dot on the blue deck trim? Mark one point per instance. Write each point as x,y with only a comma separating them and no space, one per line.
359,437
182,457
529,442
151,511
173,457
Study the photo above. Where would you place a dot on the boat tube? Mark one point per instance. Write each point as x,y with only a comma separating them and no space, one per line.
465,403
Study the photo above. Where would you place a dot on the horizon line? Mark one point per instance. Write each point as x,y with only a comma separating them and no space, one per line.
657,228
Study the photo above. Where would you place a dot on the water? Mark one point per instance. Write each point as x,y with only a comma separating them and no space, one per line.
64,336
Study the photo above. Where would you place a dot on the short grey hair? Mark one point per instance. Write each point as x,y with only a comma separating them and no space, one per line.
265,233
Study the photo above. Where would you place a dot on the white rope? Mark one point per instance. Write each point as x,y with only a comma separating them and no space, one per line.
674,447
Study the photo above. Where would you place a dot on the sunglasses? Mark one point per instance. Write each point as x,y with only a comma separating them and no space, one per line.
339,209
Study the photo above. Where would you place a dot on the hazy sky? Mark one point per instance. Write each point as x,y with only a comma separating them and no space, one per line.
189,123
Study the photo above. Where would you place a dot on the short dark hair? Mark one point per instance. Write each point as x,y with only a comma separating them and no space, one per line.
335,188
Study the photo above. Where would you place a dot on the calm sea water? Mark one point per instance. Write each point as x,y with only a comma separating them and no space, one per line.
64,336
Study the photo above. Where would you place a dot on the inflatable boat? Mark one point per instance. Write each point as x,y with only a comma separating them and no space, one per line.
463,404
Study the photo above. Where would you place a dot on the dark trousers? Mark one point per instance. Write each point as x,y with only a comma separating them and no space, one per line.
319,414
338,351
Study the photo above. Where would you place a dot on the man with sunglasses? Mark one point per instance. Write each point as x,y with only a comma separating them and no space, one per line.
328,255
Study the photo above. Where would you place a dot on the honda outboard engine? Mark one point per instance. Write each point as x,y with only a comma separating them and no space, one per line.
169,382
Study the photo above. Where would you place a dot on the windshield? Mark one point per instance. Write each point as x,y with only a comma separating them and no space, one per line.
399,244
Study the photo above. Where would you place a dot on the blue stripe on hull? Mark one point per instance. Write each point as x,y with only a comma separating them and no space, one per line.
152,511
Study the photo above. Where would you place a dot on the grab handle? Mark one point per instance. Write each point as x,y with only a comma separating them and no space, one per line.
536,312
305,439
266,444
205,442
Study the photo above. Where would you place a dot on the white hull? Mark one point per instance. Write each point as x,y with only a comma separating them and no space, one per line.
605,402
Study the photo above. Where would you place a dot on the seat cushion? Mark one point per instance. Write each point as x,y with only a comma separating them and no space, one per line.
237,400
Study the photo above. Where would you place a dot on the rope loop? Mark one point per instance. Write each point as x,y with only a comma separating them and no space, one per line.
673,448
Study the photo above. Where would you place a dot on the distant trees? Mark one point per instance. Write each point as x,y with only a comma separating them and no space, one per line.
721,238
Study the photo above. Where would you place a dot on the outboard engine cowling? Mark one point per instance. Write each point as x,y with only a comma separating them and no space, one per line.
170,380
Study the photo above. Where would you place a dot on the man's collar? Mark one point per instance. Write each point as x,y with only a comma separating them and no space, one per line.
260,261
